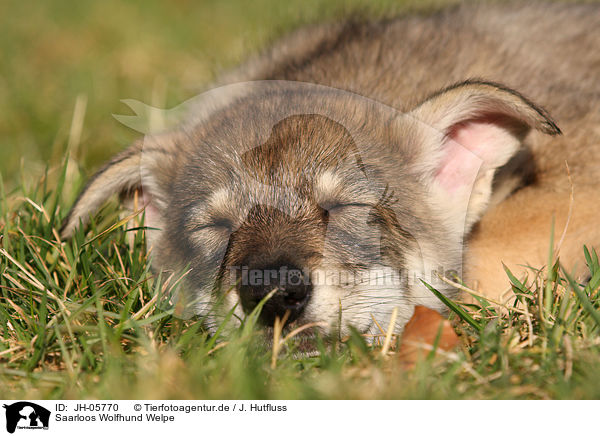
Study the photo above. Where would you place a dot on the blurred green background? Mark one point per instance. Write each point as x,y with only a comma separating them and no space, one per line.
61,53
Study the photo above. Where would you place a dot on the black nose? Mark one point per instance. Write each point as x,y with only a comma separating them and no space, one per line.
292,293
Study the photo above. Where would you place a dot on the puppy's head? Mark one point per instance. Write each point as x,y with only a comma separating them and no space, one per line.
334,205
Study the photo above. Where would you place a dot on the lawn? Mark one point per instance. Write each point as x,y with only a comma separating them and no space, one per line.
78,318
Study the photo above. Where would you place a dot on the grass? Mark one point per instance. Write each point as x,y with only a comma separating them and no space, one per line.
77,317
78,320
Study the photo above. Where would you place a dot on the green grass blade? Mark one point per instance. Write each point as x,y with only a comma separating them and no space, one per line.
454,307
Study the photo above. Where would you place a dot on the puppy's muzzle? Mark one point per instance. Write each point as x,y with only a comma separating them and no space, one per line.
292,291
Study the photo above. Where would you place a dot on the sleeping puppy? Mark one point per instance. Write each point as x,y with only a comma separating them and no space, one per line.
351,162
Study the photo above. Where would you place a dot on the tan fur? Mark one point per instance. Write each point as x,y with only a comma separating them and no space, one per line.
517,233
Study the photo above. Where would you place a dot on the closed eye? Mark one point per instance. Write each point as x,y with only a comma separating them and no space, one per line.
341,206
217,224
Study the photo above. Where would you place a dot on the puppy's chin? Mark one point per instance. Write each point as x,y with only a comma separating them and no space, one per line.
301,344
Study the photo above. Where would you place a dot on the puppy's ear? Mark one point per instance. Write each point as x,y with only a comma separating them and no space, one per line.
469,130
130,171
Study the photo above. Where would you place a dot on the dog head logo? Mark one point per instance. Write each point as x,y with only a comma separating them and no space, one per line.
26,415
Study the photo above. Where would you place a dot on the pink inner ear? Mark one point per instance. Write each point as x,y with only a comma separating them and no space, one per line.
468,147
151,212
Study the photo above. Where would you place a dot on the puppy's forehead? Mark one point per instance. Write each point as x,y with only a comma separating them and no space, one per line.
298,147
248,156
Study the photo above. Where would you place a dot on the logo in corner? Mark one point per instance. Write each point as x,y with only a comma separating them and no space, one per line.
26,415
